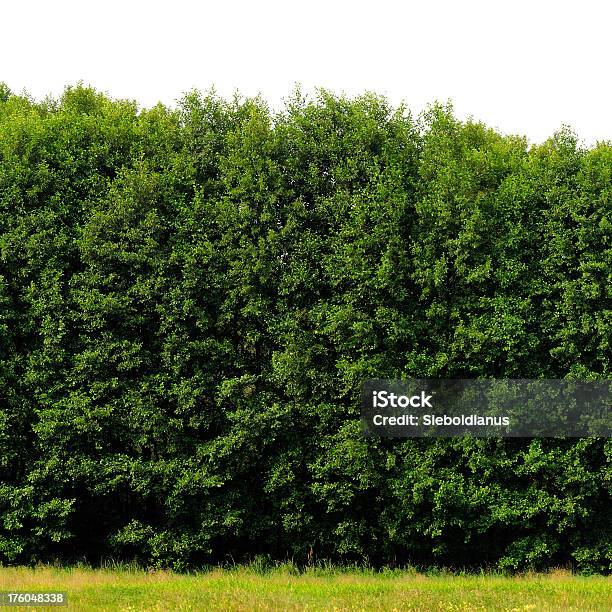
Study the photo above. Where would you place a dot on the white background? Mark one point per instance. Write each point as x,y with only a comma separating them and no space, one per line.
521,66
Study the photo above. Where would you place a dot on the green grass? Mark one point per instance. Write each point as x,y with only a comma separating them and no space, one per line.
283,588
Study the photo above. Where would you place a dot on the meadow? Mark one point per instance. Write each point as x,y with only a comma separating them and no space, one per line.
286,588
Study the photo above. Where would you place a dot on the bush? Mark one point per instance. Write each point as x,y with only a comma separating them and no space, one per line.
190,299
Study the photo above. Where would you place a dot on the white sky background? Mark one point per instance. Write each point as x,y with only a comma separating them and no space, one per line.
521,66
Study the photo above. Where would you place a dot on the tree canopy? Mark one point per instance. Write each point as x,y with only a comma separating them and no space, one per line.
191,297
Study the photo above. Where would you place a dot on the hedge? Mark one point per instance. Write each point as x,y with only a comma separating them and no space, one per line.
191,297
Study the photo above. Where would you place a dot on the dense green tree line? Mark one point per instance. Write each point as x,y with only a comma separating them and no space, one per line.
191,297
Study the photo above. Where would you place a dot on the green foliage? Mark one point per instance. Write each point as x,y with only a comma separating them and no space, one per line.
191,297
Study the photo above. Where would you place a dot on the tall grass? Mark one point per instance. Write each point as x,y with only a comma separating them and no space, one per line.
283,586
